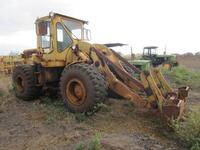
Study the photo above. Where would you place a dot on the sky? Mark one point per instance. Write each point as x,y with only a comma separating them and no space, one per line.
173,25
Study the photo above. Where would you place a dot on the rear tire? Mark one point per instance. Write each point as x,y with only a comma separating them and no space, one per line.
24,83
82,87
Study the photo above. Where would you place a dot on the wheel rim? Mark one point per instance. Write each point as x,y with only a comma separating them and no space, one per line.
20,84
76,92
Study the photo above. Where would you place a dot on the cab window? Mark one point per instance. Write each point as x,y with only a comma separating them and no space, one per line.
45,39
146,52
63,39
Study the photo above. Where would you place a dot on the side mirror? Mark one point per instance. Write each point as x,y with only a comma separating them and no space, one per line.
42,28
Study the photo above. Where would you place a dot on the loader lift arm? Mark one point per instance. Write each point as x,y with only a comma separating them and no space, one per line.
151,90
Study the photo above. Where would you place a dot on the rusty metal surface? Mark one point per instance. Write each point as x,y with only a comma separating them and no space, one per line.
175,105
76,92
119,70
126,62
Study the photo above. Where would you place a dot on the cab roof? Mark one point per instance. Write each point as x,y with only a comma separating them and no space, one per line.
52,14
150,47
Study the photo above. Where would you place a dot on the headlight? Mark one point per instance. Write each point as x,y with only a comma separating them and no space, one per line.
75,48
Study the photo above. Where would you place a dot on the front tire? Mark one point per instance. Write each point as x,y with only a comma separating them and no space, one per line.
82,87
24,83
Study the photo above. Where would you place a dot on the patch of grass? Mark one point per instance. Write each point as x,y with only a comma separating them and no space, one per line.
83,116
183,76
11,88
55,110
1,93
189,131
80,117
103,107
186,133
80,146
95,143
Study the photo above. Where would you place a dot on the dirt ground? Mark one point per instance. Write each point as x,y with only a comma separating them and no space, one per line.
46,124
190,61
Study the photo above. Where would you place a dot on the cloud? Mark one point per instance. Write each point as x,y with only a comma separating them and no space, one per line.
17,28
139,23
19,15
17,41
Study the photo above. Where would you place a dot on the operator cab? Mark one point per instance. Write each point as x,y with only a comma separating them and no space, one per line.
58,31
149,51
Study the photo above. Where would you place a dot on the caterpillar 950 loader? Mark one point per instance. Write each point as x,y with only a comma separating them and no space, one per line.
84,72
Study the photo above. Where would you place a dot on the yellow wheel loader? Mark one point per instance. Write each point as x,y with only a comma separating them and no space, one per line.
84,72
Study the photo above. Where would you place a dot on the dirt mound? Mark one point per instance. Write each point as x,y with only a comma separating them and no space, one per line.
189,60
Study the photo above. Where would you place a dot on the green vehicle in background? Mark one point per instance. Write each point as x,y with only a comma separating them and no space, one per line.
150,53
149,58
143,65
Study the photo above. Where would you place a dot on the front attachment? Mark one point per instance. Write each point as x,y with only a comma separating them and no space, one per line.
171,104
175,104
149,90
